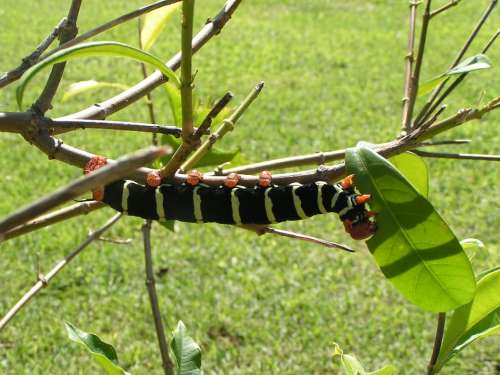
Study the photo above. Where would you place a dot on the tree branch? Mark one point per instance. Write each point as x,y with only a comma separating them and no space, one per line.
186,70
446,155
444,8
43,103
43,280
438,340
153,299
101,177
81,208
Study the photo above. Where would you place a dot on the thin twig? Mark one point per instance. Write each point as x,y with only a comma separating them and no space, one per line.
437,343
153,299
18,72
31,59
444,8
226,126
415,78
63,214
261,229
101,177
424,112
445,142
44,101
446,155
43,280
62,125
409,58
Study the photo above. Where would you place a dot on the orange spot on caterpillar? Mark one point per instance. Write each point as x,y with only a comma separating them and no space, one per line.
265,178
153,179
362,199
95,163
231,180
347,182
194,177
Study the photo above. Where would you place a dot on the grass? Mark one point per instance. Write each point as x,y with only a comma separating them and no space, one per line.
333,73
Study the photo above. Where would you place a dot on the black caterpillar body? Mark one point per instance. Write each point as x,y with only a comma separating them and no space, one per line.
238,205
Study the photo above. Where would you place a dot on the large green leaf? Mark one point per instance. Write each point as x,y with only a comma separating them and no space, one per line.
154,22
477,319
93,49
352,366
104,354
81,87
477,62
413,246
187,352
414,168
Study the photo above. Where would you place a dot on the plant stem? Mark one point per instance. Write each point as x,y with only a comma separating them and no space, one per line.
227,126
441,319
444,8
168,367
44,279
61,126
446,155
186,70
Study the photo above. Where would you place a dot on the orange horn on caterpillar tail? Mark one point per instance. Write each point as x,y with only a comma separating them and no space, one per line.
347,182
362,199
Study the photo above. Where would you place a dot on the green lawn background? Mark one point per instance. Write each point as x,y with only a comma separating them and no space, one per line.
334,76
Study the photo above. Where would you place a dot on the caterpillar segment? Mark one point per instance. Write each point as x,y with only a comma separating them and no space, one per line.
230,203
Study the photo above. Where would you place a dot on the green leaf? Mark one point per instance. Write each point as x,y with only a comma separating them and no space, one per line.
414,168
413,246
476,320
471,246
477,62
93,49
104,354
428,86
81,87
352,366
154,22
187,352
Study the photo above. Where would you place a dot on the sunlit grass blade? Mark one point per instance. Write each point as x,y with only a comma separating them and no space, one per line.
93,49
413,246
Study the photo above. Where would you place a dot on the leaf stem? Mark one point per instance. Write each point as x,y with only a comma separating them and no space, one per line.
186,70
441,319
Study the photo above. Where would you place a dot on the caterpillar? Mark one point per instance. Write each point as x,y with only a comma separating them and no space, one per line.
265,203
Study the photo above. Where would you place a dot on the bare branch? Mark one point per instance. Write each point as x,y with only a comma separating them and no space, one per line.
438,340
445,155
43,280
415,78
409,58
445,142
43,103
444,8
153,299
101,177
31,59
82,208
58,125
262,229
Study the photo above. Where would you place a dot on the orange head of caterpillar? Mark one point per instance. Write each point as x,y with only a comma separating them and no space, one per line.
357,219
